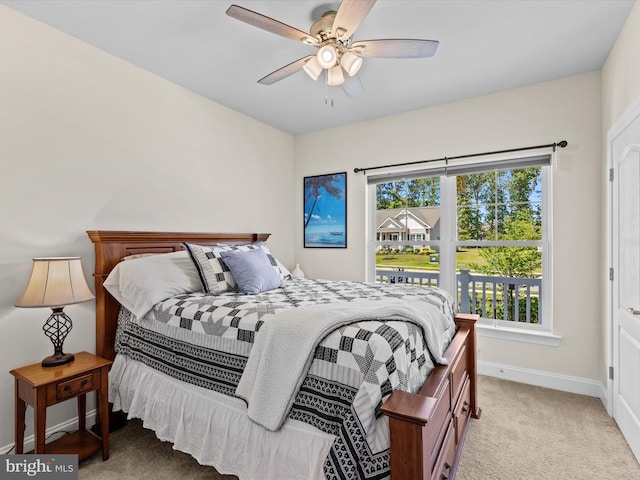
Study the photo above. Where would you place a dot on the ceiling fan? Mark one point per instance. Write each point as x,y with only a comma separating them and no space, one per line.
336,52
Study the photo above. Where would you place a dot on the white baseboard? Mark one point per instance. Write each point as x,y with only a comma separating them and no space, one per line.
604,396
556,381
67,426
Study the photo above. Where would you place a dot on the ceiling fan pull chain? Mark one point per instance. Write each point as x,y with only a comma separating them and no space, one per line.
326,93
326,89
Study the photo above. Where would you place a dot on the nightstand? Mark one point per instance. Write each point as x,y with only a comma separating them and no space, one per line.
41,387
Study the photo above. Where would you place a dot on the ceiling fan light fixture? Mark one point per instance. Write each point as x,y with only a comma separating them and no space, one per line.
351,63
327,56
313,68
335,76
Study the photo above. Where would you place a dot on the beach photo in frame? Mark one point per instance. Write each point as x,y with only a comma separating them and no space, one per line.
325,211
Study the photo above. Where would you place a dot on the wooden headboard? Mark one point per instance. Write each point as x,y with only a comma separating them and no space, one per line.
111,246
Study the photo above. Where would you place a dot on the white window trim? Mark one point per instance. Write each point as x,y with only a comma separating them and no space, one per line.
519,333
542,333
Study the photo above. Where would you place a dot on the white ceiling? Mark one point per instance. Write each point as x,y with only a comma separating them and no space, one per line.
485,46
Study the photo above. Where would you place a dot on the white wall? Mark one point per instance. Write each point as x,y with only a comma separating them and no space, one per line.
621,72
567,109
620,91
88,141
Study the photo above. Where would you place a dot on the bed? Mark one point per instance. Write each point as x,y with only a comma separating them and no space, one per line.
424,431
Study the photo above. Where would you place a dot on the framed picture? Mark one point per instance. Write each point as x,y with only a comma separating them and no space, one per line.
325,211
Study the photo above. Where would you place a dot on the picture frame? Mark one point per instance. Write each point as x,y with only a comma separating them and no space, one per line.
325,211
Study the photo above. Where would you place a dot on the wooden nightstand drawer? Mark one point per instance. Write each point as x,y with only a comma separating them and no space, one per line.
73,387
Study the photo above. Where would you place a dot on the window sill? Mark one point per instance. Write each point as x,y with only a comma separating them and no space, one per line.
540,337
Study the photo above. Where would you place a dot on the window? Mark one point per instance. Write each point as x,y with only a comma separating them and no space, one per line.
488,236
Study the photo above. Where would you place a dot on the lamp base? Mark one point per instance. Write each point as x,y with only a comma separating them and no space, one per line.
58,359
57,326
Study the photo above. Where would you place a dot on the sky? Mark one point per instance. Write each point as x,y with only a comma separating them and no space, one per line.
328,210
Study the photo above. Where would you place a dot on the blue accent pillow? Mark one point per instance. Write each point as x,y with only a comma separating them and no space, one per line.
252,270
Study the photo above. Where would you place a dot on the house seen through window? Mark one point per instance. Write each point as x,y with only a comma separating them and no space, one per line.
479,230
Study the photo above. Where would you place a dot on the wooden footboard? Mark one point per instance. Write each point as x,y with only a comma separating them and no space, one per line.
428,429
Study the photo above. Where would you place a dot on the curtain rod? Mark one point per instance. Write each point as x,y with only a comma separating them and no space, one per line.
561,144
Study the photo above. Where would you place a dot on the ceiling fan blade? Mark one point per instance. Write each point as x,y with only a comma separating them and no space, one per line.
352,86
269,24
285,71
396,48
349,16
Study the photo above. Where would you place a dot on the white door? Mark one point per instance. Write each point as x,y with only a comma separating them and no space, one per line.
625,155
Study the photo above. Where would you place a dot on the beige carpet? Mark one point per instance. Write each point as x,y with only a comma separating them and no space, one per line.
528,432
524,433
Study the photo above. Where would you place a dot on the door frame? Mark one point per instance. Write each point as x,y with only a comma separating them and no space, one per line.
630,114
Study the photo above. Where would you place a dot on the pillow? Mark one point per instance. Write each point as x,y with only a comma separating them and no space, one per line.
215,275
251,270
138,284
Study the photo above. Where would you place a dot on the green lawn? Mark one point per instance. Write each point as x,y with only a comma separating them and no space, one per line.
464,258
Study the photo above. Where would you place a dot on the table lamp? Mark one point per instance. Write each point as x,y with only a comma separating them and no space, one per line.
56,282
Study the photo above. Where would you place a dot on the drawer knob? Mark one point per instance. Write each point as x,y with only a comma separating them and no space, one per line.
465,407
67,388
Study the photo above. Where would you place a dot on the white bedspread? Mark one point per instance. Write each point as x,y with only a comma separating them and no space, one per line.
275,369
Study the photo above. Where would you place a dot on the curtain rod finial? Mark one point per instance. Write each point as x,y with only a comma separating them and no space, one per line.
563,143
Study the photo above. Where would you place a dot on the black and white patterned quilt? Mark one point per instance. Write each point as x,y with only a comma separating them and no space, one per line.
205,339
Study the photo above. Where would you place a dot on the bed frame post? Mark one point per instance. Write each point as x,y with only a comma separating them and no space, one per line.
468,321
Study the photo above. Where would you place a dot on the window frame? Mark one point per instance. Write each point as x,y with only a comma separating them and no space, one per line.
449,242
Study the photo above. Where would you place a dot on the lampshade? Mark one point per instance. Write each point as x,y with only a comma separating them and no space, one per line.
327,56
335,76
54,282
313,68
351,63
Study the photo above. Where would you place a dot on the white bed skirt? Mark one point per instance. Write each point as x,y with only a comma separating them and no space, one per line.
215,428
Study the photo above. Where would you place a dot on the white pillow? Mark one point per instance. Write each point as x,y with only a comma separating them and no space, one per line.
140,283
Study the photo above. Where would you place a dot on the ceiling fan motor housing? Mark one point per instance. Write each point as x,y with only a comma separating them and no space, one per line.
322,27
